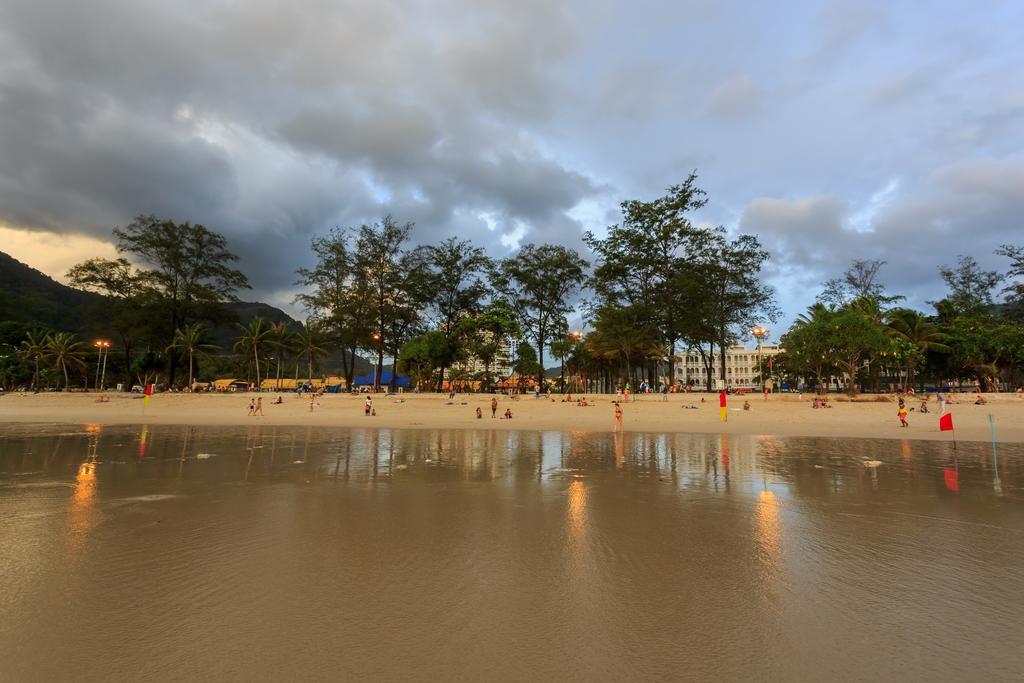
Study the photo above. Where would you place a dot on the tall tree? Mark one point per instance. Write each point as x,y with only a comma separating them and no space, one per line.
253,339
63,349
393,277
1015,276
971,288
625,334
185,272
338,297
488,335
453,277
128,299
191,340
33,349
861,280
538,283
311,341
639,261
735,295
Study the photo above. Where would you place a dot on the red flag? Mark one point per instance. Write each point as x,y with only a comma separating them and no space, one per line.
149,390
721,399
946,422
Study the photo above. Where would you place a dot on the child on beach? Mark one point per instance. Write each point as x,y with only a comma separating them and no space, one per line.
479,413
259,406
368,406
252,407
494,408
507,415
902,414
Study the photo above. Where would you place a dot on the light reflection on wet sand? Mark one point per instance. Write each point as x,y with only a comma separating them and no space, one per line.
304,552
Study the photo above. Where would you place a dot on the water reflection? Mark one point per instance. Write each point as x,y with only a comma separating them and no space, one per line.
511,554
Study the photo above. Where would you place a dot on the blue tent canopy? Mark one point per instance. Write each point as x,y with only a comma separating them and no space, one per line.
385,379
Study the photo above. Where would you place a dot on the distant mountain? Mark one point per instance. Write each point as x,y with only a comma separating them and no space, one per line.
30,297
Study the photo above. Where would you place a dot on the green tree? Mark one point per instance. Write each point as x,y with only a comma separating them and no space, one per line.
734,296
923,335
625,333
538,282
338,296
454,271
488,334
63,349
185,273
810,345
640,259
395,287
855,338
526,364
311,341
254,337
191,340
970,287
34,350
127,299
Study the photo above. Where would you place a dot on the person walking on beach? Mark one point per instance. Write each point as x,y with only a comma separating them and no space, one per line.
259,406
617,425
494,408
252,407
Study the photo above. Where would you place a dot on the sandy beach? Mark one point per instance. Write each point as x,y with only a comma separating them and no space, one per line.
781,415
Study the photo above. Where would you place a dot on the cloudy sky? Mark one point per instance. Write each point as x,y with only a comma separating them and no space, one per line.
840,130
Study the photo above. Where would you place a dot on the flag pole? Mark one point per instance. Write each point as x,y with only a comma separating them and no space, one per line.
995,460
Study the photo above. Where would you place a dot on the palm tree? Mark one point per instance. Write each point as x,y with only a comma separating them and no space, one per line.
33,349
283,342
311,341
254,336
191,340
913,327
63,348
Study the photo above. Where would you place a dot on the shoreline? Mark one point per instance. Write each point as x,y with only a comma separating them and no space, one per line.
781,415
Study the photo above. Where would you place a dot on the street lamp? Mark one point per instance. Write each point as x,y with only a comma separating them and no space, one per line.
103,350
760,333
379,375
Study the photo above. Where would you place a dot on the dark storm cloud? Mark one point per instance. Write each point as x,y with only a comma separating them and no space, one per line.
836,130
272,122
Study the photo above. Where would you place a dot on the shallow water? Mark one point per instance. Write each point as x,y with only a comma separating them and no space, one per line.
246,553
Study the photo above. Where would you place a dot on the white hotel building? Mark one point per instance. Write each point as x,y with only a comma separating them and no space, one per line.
741,366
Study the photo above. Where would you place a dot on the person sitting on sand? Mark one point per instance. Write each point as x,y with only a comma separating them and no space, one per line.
924,406
507,415
479,413
278,401
981,400
746,405
101,399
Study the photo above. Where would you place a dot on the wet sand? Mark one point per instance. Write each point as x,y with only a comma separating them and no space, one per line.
781,415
